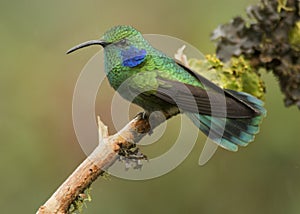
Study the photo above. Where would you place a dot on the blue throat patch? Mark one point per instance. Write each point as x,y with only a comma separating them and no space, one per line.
133,57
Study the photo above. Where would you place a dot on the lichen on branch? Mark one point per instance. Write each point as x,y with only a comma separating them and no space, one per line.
269,40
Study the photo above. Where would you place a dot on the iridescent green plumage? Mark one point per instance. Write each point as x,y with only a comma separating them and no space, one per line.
154,81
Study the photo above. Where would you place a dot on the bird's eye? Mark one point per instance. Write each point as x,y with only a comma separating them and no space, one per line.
122,42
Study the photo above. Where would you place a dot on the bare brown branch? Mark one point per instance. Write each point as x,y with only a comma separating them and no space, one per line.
100,159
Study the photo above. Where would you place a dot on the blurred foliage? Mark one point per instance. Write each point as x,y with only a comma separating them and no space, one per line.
39,148
270,40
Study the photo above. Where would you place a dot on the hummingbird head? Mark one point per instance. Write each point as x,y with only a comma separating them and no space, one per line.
123,46
117,35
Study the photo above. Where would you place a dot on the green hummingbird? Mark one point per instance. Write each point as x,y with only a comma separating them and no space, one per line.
156,82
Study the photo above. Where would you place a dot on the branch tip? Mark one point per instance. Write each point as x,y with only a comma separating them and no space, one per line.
102,129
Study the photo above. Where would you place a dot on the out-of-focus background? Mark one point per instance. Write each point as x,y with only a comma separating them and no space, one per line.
39,149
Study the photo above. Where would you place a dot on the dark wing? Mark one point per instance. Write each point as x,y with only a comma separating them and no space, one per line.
210,101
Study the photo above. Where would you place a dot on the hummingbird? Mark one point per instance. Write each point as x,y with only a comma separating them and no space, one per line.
154,81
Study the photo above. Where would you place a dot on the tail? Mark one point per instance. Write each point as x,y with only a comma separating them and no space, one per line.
230,133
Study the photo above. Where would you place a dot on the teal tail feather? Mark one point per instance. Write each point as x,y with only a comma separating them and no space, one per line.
230,133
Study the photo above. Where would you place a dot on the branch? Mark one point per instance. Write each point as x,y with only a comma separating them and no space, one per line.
100,159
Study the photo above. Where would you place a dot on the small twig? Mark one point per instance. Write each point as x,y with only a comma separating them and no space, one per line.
99,160
102,130
180,56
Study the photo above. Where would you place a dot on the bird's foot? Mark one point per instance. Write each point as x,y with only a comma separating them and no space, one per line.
132,156
145,116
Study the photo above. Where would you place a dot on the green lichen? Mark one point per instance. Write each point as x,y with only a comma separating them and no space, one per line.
294,36
106,176
282,5
237,74
80,202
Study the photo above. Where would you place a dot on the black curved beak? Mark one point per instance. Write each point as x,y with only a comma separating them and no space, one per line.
88,43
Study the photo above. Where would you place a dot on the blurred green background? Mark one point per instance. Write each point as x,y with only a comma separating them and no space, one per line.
38,145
